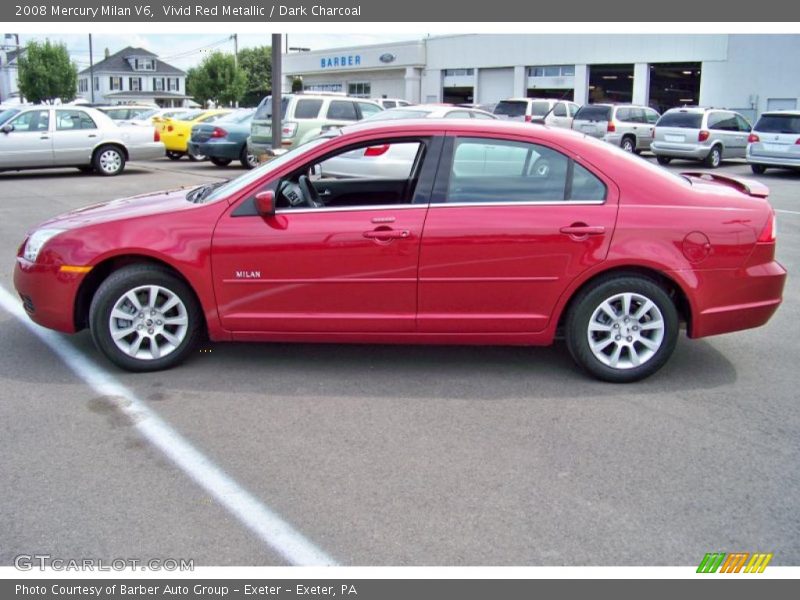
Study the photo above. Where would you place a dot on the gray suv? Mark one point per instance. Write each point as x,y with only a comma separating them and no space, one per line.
703,134
628,126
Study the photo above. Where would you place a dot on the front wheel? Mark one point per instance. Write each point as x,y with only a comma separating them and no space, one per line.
758,169
220,162
109,160
663,160
143,318
622,329
248,159
196,157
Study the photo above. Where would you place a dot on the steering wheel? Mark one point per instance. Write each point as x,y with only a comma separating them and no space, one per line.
310,194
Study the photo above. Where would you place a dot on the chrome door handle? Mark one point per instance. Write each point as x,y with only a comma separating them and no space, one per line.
92,135
581,230
387,234
45,137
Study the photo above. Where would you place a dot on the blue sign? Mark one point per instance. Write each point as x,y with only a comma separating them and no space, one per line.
346,60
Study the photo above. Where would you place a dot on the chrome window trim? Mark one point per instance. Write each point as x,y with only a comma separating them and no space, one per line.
374,207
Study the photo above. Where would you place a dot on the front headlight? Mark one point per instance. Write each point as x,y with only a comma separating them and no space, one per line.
37,240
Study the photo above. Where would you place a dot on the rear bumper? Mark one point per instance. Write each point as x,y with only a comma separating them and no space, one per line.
690,151
736,299
150,151
175,143
776,159
48,295
230,150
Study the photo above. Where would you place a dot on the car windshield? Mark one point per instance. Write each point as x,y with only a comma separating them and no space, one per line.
264,110
7,114
778,124
593,113
216,192
685,120
511,108
394,114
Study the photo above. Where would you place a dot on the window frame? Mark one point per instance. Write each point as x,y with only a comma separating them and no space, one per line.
15,118
83,115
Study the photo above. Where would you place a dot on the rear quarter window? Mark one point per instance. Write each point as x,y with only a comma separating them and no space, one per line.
307,108
342,110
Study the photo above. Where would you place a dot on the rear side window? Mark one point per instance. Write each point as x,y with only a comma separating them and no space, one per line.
593,113
778,124
485,170
264,110
368,109
560,110
684,120
307,108
342,110
389,104
511,108
73,119
724,121
540,109
650,116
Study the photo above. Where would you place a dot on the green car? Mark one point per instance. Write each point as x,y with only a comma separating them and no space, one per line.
224,140
304,117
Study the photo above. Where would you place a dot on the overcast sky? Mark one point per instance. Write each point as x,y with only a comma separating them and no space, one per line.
184,51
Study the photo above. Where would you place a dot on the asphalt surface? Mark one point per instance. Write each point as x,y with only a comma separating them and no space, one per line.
402,455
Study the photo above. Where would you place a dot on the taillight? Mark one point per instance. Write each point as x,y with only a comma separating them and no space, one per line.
218,132
797,142
611,127
170,128
376,150
156,135
769,233
288,129
703,135
528,118
752,138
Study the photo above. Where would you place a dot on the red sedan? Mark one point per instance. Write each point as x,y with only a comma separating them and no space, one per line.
496,233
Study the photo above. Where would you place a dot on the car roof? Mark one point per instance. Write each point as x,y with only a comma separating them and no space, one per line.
787,112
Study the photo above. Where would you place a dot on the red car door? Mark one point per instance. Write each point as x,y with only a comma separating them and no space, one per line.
510,225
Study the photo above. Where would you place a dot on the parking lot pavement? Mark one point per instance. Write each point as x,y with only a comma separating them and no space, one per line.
404,455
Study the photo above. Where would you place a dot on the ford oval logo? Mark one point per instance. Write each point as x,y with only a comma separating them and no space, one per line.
387,58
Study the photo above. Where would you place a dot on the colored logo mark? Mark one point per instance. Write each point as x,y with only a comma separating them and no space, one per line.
735,562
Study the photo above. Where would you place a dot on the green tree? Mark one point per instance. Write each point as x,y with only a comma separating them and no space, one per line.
46,73
257,65
216,79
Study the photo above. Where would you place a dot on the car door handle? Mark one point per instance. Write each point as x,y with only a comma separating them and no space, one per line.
325,193
91,135
387,234
580,229
45,137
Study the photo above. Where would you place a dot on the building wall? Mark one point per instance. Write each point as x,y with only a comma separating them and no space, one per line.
390,83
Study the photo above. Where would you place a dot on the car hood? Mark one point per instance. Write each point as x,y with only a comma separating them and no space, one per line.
143,205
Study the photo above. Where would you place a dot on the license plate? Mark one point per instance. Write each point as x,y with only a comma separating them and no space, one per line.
776,147
264,129
675,138
589,128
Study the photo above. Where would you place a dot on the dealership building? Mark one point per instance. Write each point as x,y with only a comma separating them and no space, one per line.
748,73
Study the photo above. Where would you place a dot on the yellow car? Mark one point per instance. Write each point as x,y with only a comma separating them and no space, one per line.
175,132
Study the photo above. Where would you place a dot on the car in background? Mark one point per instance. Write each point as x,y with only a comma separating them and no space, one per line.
707,135
133,114
388,103
610,251
7,112
178,129
45,136
775,141
628,126
394,161
161,117
224,140
487,106
545,111
304,116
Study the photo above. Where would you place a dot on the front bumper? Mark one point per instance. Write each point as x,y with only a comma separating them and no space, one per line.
48,294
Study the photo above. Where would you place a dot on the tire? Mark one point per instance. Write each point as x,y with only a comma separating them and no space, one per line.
714,158
628,144
86,170
248,160
152,343
663,160
108,160
220,162
172,155
613,359
758,169
196,157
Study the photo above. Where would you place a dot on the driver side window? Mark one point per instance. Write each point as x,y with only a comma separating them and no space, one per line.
378,174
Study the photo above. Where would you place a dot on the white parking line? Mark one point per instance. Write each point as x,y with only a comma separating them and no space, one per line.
788,212
262,521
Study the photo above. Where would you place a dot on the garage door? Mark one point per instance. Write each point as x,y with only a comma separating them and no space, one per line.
495,84
781,103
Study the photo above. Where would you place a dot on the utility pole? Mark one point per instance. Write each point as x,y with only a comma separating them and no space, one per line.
91,68
236,56
21,97
277,77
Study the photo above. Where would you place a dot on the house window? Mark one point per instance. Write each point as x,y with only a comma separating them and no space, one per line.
158,84
115,83
144,64
83,85
135,84
96,84
173,84
359,89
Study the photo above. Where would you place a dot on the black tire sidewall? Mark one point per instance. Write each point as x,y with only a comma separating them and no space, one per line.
124,280
663,160
96,160
632,142
710,158
220,162
758,169
586,303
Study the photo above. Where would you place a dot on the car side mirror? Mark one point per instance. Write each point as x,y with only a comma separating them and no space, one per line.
265,203
7,128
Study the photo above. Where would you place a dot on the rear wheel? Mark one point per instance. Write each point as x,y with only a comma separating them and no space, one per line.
714,158
220,162
144,318
663,160
628,144
196,157
758,169
247,158
108,160
172,155
622,329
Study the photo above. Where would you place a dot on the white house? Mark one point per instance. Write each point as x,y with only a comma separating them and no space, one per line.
133,75
9,90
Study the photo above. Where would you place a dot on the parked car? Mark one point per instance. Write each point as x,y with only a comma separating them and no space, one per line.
36,137
775,141
160,118
545,111
474,246
224,140
625,125
487,106
707,135
178,129
393,161
133,114
388,103
304,117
